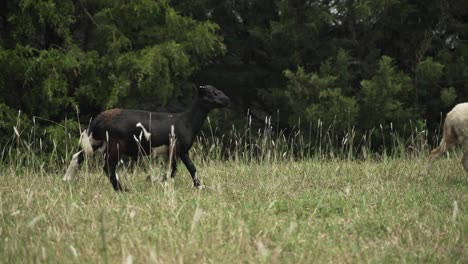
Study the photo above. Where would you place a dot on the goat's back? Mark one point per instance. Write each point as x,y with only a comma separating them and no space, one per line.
117,122
122,123
457,119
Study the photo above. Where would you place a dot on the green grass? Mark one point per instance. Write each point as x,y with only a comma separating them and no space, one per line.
310,211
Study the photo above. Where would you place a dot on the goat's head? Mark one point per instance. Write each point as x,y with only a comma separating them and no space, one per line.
213,97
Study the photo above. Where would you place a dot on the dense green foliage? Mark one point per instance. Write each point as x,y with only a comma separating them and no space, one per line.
349,64
361,63
56,55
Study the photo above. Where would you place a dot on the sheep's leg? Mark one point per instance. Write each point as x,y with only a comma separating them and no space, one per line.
111,166
465,160
438,152
435,154
191,168
448,140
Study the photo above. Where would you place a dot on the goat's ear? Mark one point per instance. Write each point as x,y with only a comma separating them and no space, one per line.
195,91
201,89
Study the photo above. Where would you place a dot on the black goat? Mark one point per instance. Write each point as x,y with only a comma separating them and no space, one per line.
134,132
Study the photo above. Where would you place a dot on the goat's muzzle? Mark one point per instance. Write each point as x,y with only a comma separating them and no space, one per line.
225,102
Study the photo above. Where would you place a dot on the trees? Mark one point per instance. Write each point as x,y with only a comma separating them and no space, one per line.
386,98
321,96
408,50
98,54
366,63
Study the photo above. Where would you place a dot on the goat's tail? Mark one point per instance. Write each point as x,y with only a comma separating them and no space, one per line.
85,142
449,138
449,135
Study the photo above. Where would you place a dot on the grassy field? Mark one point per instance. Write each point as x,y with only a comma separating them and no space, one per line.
287,212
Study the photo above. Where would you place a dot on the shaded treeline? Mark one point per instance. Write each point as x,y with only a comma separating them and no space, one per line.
366,67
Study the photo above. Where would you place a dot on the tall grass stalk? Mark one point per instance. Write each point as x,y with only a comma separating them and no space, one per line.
31,146
308,195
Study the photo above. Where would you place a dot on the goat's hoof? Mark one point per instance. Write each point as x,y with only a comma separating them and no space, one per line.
200,186
66,179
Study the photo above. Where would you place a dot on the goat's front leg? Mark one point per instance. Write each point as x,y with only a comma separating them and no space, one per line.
75,163
191,168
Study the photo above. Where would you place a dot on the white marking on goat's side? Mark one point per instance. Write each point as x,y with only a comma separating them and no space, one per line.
160,150
172,130
72,168
145,132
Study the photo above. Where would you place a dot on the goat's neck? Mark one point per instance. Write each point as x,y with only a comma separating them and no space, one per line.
196,115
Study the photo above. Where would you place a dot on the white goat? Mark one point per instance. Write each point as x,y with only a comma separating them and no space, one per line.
455,132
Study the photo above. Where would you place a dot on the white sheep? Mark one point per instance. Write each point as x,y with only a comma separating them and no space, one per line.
455,132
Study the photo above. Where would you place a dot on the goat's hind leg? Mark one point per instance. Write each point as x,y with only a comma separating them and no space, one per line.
173,167
110,168
164,174
172,160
